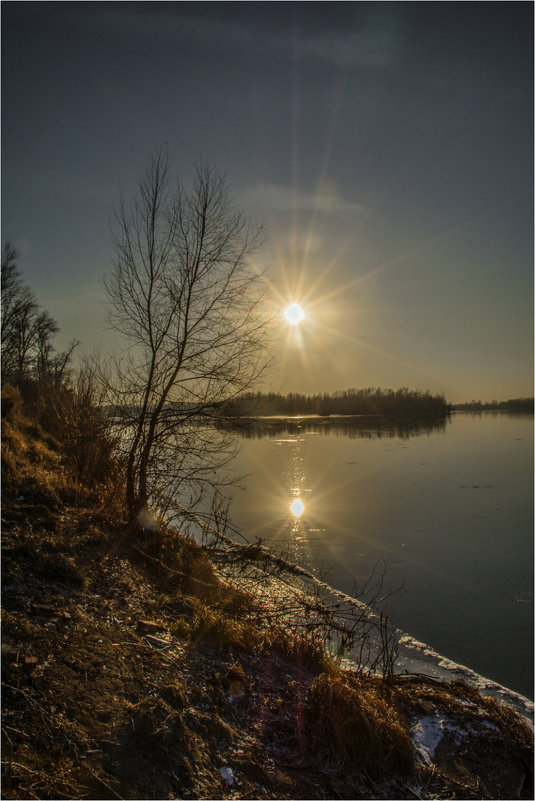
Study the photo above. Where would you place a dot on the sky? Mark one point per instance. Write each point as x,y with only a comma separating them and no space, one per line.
386,148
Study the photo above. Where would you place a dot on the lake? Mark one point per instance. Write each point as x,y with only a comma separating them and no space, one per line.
447,508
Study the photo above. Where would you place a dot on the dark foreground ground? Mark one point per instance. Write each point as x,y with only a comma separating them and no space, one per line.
129,670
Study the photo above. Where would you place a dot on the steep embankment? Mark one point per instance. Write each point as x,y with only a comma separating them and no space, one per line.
130,670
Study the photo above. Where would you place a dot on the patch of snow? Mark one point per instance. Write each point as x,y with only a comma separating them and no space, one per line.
448,664
228,775
412,642
429,730
427,733
482,724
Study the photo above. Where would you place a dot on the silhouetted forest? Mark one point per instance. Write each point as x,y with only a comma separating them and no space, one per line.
354,427
518,405
401,403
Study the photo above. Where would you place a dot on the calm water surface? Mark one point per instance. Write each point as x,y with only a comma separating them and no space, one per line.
450,511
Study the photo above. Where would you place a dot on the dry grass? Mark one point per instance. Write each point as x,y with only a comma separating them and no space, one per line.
224,633
350,726
30,469
51,469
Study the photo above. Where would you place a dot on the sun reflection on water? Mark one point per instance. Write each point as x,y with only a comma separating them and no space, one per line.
298,507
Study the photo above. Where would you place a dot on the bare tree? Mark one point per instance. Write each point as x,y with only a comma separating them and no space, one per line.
28,330
43,329
19,311
183,293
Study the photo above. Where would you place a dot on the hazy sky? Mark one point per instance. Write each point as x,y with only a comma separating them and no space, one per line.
387,148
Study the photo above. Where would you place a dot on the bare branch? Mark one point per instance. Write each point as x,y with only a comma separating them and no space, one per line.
189,303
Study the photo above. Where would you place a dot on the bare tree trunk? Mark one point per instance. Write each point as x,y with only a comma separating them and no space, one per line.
188,302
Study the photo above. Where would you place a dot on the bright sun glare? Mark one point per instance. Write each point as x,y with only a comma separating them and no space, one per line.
294,313
297,507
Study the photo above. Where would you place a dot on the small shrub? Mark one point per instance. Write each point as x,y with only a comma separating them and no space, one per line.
233,601
73,415
10,473
60,568
38,491
44,560
350,726
299,648
181,629
201,579
194,572
237,680
222,633
11,404
176,695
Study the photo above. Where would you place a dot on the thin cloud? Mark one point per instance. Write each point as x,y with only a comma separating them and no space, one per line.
374,46
282,199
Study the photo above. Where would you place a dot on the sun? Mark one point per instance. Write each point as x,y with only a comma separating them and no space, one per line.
294,314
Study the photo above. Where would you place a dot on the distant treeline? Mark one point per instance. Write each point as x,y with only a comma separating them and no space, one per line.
354,427
401,403
520,405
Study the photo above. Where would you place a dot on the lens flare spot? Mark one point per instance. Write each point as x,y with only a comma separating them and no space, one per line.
297,506
147,520
294,314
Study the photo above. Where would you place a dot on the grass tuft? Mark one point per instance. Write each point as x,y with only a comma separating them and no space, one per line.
223,633
349,725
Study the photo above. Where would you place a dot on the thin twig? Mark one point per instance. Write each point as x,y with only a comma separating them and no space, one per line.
22,767
32,700
92,772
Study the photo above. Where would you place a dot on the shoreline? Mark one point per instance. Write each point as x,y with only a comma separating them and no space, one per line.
482,619
414,657
446,668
